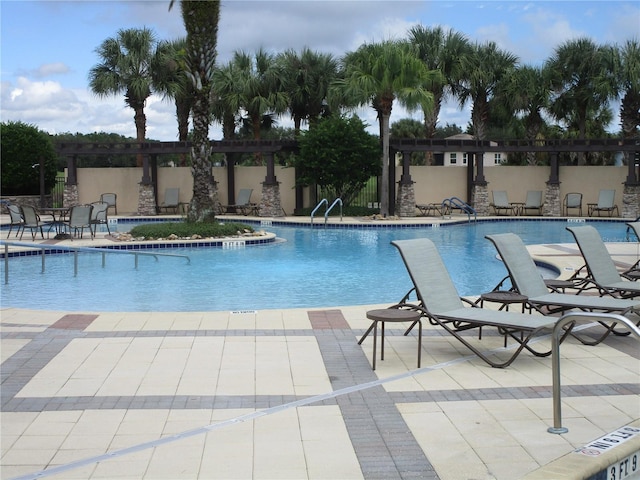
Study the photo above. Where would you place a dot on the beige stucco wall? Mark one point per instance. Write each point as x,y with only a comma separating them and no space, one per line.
432,184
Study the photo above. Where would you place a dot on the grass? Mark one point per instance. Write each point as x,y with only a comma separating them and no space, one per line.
189,230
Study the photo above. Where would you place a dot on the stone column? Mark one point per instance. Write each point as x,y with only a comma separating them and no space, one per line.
70,194
146,200
406,200
480,198
270,205
552,202
630,201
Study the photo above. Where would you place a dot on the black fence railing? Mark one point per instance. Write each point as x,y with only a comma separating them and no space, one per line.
57,192
368,197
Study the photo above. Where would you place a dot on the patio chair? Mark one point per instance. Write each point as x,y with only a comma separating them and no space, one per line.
606,203
573,201
79,219
171,200
501,203
633,273
243,203
99,216
602,273
31,221
534,201
16,219
440,303
526,279
110,200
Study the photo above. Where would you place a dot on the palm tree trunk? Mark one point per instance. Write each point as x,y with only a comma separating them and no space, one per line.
141,126
384,188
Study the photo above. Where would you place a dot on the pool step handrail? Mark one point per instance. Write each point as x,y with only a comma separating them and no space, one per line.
76,251
323,201
326,214
454,202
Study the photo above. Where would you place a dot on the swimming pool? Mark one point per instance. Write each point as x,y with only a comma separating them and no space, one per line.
319,267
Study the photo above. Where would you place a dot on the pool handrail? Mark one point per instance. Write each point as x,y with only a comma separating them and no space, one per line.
325,201
455,202
558,330
75,251
326,214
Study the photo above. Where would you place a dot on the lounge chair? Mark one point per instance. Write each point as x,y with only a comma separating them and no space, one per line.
16,219
99,216
526,279
439,302
501,203
243,203
606,203
534,201
633,273
171,200
110,199
602,273
571,201
79,219
31,221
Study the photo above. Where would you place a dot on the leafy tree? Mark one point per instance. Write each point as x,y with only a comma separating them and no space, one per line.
23,147
377,74
307,77
444,52
628,75
485,67
201,23
582,78
126,66
338,155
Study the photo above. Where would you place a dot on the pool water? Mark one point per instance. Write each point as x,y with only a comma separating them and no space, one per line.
311,268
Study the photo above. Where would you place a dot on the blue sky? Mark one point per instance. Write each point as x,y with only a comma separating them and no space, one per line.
47,46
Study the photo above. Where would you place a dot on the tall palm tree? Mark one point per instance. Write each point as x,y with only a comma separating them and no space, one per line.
126,66
377,74
442,51
628,73
227,101
484,68
201,23
526,90
170,79
260,87
582,78
307,77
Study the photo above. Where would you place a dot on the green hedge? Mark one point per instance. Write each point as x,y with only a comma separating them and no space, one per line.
189,229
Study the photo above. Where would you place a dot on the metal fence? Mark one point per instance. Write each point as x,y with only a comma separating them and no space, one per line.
57,192
367,197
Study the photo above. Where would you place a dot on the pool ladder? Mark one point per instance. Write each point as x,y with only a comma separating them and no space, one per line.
324,201
449,204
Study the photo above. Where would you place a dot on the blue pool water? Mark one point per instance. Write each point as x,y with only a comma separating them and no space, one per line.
312,268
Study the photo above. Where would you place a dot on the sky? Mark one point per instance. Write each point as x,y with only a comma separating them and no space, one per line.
47,47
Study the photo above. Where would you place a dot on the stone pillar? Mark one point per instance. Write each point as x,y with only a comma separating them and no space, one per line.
406,202
270,203
480,198
70,195
552,201
146,200
630,201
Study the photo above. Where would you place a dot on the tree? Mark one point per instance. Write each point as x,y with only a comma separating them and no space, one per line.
23,147
526,90
377,74
628,75
126,66
339,155
306,80
201,23
483,68
582,79
442,51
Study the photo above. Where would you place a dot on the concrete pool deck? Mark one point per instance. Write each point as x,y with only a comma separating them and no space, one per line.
274,394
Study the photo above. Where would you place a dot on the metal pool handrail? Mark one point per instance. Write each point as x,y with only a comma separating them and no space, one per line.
76,251
555,352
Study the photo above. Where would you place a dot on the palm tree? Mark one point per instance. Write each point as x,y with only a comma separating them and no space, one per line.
201,23
377,74
442,51
307,77
227,100
170,79
629,80
526,90
260,87
126,66
582,78
484,68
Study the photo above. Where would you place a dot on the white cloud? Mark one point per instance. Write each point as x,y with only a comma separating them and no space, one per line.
49,69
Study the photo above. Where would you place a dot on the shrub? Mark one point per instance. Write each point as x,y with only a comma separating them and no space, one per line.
22,148
189,229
